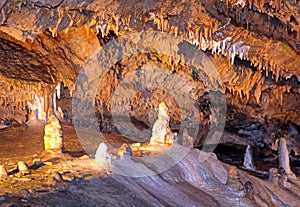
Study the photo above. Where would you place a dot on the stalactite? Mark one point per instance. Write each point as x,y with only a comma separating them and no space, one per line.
281,95
72,88
58,88
200,37
101,28
46,102
206,31
54,102
116,19
54,29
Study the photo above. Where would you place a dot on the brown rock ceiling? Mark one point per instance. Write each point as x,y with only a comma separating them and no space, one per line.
255,46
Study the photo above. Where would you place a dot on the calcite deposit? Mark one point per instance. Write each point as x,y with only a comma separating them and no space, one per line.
102,157
161,132
53,137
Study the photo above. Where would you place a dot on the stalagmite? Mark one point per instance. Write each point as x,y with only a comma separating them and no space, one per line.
102,157
161,132
233,179
248,159
53,139
273,177
3,172
284,160
23,168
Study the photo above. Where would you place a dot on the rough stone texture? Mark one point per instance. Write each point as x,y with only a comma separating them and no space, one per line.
53,138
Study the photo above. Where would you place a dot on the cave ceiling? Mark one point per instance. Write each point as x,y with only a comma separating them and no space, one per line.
254,44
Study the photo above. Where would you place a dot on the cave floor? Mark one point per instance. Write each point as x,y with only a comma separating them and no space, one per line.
68,179
80,176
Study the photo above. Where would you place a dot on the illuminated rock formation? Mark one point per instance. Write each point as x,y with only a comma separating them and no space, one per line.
3,171
233,179
248,159
53,138
161,132
284,159
23,168
102,157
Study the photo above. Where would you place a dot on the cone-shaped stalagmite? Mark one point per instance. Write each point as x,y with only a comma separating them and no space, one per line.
284,160
53,139
161,132
233,179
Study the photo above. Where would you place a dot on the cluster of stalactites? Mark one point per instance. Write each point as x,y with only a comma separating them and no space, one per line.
19,99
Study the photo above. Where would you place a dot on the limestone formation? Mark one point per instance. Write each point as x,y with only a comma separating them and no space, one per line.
23,168
233,179
284,160
248,159
3,171
161,132
283,178
102,156
53,139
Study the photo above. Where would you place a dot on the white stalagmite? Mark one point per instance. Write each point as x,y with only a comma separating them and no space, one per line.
102,157
248,159
284,160
161,132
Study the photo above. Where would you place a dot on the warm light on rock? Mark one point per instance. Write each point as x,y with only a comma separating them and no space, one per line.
233,179
3,171
53,139
161,132
23,168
